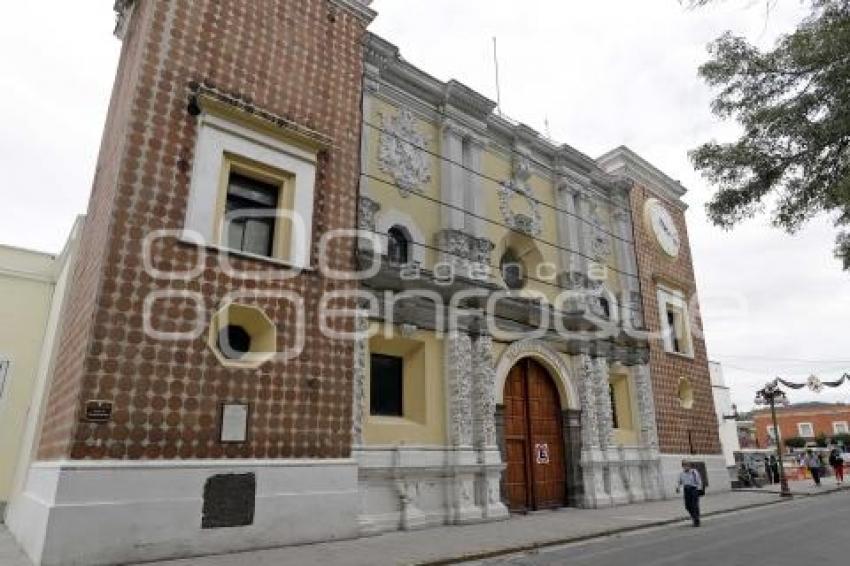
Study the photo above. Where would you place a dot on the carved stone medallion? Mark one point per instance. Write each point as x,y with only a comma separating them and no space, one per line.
402,153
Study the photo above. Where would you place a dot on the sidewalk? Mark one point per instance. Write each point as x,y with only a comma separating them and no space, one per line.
443,545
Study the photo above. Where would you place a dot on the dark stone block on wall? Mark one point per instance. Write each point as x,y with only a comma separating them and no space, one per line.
229,501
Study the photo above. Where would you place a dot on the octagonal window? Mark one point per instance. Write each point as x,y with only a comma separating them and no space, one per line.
242,336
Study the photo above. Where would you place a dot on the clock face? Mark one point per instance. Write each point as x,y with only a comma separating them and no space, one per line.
661,224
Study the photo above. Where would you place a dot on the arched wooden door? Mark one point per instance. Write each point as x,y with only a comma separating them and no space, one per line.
534,444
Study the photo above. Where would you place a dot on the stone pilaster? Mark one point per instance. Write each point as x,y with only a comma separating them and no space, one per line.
452,178
458,378
360,362
604,410
587,392
483,393
646,406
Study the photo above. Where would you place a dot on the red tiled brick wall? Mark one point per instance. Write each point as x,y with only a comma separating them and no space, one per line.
680,430
298,59
821,419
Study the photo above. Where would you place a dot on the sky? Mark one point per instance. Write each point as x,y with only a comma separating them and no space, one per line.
595,75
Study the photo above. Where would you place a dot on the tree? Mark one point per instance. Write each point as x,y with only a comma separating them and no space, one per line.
795,442
793,104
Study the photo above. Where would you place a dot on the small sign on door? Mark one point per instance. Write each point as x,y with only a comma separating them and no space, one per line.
541,453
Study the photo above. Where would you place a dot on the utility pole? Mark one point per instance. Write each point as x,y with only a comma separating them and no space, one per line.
769,395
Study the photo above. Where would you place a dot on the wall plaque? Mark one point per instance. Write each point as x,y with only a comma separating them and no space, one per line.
98,411
234,422
541,452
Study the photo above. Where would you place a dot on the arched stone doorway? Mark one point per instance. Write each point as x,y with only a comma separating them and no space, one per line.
534,449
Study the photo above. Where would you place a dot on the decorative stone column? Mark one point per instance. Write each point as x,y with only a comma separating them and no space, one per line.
592,457
604,410
483,393
464,460
488,478
459,391
652,479
361,351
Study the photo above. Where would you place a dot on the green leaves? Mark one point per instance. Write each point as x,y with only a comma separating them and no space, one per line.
794,106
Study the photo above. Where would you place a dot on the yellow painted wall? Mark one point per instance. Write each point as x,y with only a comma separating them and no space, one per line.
424,393
627,434
425,212
26,288
496,165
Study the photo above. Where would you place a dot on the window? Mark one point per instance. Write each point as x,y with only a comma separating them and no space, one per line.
840,427
513,271
806,430
234,342
259,174
4,374
675,323
250,215
614,413
605,305
386,392
398,246
675,328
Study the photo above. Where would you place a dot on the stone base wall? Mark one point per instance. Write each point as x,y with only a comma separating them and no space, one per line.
111,512
622,475
409,487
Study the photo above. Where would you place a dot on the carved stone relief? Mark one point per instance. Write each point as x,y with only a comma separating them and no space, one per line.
402,153
518,186
458,354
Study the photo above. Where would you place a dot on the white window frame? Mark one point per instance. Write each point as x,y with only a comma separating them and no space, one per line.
801,426
771,432
840,424
219,137
675,299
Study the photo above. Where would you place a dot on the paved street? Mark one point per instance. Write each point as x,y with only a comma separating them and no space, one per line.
805,531
821,516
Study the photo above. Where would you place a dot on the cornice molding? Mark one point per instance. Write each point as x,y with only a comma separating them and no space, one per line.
359,8
626,163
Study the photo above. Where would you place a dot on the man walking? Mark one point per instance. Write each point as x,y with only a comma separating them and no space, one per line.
813,463
691,482
837,463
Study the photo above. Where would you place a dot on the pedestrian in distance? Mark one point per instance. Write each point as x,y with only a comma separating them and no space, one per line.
691,483
774,466
813,463
768,472
837,463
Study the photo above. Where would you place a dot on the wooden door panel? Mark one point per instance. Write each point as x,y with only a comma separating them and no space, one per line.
532,418
517,483
549,485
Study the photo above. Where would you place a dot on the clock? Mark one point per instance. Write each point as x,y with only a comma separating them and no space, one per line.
660,223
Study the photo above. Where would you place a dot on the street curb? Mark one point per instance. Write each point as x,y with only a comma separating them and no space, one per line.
486,554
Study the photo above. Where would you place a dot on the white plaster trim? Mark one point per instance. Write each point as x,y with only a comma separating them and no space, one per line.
387,218
216,137
553,361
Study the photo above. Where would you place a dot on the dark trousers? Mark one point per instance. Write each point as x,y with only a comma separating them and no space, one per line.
815,475
692,503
